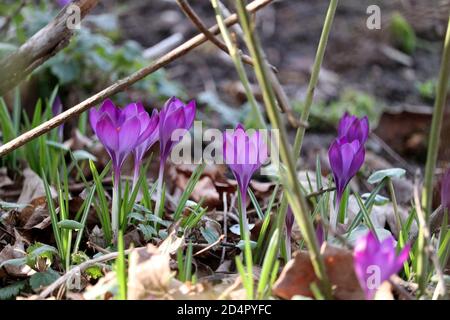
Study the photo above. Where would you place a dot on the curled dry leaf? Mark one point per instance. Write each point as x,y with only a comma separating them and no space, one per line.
149,274
35,215
206,190
298,275
33,187
172,243
16,251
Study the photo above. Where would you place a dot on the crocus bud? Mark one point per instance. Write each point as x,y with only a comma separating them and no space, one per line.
353,128
244,154
175,115
119,130
57,108
445,191
375,262
151,123
63,3
346,158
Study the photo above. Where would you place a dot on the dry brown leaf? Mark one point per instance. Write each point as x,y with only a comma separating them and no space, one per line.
132,237
149,274
34,214
298,275
33,187
206,190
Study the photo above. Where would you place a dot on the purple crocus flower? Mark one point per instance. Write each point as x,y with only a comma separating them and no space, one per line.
119,130
174,116
244,155
57,108
445,191
147,124
375,262
63,3
346,158
289,223
353,128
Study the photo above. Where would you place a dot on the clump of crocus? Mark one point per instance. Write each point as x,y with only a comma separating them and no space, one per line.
119,130
147,123
244,155
173,117
375,262
346,156
445,191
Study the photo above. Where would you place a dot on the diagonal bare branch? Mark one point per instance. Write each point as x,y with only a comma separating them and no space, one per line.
123,83
40,47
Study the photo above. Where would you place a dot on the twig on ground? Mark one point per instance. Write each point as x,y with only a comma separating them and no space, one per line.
122,84
78,269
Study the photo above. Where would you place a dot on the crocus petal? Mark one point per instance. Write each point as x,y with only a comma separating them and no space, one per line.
243,154
175,115
109,108
128,137
189,114
353,128
445,191
93,118
108,136
376,262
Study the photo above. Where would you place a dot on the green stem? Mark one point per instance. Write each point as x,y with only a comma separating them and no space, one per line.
309,98
294,194
236,56
120,267
159,203
247,245
433,148
395,205
315,74
115,205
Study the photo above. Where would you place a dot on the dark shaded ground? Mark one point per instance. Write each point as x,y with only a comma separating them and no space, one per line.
290,31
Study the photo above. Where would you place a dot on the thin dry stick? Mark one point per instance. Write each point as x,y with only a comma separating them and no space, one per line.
210,245
122,84
225,227
440,287
78,269
190,13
